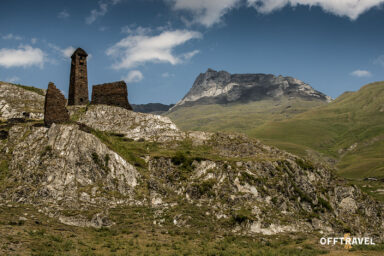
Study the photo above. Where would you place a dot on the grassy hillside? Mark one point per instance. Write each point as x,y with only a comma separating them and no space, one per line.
350,129
239,117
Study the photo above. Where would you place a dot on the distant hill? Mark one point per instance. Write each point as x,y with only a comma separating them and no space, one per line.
152,108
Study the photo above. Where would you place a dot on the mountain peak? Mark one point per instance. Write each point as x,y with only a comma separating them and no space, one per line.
221,87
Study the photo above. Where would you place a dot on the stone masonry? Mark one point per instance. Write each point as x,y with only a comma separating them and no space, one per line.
78,83
114,94
54,107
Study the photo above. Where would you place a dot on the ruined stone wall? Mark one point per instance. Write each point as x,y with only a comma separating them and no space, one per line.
114,94
78,83
54,107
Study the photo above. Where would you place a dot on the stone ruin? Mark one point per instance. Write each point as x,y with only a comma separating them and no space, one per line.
113,94
78,81
54,107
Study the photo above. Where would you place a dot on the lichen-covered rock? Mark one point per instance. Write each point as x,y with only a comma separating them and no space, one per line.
17,102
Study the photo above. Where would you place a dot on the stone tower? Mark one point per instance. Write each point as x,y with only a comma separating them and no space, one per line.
78,81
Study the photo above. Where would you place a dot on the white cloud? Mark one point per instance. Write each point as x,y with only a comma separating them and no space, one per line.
361,73
67,52
135,50
189,55
101,10
205,12
133,76
24,56
208,13
63,14
64,52
11,37
13,79
348,8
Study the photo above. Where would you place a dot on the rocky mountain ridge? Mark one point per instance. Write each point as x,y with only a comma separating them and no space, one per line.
221,87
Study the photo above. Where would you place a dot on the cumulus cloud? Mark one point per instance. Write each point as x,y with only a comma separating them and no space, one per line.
24,56
67,52
64,52
63,14
361,73
133,76
210,12
135,50
205,12
101,10
11,37
348,8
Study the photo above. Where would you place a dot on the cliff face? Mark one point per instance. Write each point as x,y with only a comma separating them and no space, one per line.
221,87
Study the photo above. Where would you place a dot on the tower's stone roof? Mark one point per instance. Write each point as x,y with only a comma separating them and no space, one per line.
79,52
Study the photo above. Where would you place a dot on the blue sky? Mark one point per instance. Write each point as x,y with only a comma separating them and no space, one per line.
160,46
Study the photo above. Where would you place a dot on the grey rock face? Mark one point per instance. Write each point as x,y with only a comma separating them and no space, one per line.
221,87
63,165
16,102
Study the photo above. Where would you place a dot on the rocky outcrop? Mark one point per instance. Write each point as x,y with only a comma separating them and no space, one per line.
132,125
54,107
19,102
221,87
113,94
64,167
